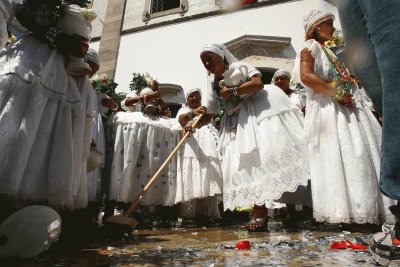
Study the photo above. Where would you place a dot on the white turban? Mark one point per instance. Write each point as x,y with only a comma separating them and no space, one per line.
93,56
281,72
315,17
191,90
221,51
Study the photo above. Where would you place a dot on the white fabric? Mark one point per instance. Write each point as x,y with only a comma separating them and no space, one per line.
210,98
141,146
299,99
93,56
221,51
315,17
191,90
198,164
45,118
281,72
98,136
133,108
263,148
344,152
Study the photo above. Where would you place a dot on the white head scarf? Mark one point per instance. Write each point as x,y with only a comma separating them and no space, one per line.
145,91
221,51
281,72
93,56
315,17
191,90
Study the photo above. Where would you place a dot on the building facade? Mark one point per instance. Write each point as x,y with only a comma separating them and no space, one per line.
165,37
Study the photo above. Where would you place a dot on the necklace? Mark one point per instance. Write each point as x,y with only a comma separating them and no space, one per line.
341,73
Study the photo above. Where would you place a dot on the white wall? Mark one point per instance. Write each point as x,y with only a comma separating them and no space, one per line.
171,54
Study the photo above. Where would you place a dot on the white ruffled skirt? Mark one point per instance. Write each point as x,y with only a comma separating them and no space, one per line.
264,150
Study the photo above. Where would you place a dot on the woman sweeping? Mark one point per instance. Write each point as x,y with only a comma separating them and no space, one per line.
263,150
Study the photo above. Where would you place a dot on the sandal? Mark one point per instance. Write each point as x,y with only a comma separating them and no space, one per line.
259,220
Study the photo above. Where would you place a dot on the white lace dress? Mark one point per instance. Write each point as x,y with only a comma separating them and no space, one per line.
45,124
263,148
199,172
344,153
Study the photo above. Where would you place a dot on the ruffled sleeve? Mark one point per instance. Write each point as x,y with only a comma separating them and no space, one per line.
319,65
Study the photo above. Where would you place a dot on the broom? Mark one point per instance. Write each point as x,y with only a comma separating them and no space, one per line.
125,219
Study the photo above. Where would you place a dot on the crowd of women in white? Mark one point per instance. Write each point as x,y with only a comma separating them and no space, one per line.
265,147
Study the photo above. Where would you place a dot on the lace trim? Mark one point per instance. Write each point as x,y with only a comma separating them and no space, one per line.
266,183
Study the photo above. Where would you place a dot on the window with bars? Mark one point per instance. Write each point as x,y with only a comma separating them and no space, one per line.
158,8
162,5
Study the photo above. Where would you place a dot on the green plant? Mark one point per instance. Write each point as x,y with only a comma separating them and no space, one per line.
140,81
107,86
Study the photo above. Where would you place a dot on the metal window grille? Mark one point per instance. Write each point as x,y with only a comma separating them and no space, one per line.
162,5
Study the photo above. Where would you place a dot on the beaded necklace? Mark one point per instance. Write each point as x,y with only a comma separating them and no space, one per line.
341,73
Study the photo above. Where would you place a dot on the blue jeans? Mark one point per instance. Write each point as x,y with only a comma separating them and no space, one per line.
372,35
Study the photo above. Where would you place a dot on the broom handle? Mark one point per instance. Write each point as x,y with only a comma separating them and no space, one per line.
155,176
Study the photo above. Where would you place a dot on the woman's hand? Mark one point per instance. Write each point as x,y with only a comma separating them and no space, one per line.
199,110
188,128
347,100
225,93
152,98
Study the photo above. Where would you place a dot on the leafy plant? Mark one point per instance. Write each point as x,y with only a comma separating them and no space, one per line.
140,81
107,86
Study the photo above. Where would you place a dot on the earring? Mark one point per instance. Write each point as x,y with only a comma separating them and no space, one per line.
318,30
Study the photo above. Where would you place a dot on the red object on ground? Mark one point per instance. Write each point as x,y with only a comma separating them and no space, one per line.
337,245
356,246
243,245
347,244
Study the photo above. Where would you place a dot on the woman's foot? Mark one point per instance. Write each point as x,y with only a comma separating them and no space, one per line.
259,220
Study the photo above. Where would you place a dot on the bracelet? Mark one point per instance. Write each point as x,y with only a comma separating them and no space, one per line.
51,36
339,94
234,90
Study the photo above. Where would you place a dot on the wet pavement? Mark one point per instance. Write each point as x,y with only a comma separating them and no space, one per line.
205,247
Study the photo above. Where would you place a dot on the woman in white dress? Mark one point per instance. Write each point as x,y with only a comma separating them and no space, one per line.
45,114
199,175
343,136
261,137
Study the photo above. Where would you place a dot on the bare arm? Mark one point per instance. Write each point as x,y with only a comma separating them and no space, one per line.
308,76
249,87
312,80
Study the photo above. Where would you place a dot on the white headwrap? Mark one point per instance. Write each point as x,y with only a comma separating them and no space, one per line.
315,17
146,91
191,90
281,72
93,56
221,51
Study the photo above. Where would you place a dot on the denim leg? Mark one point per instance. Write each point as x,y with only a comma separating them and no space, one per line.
373,28
359,50
383,22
